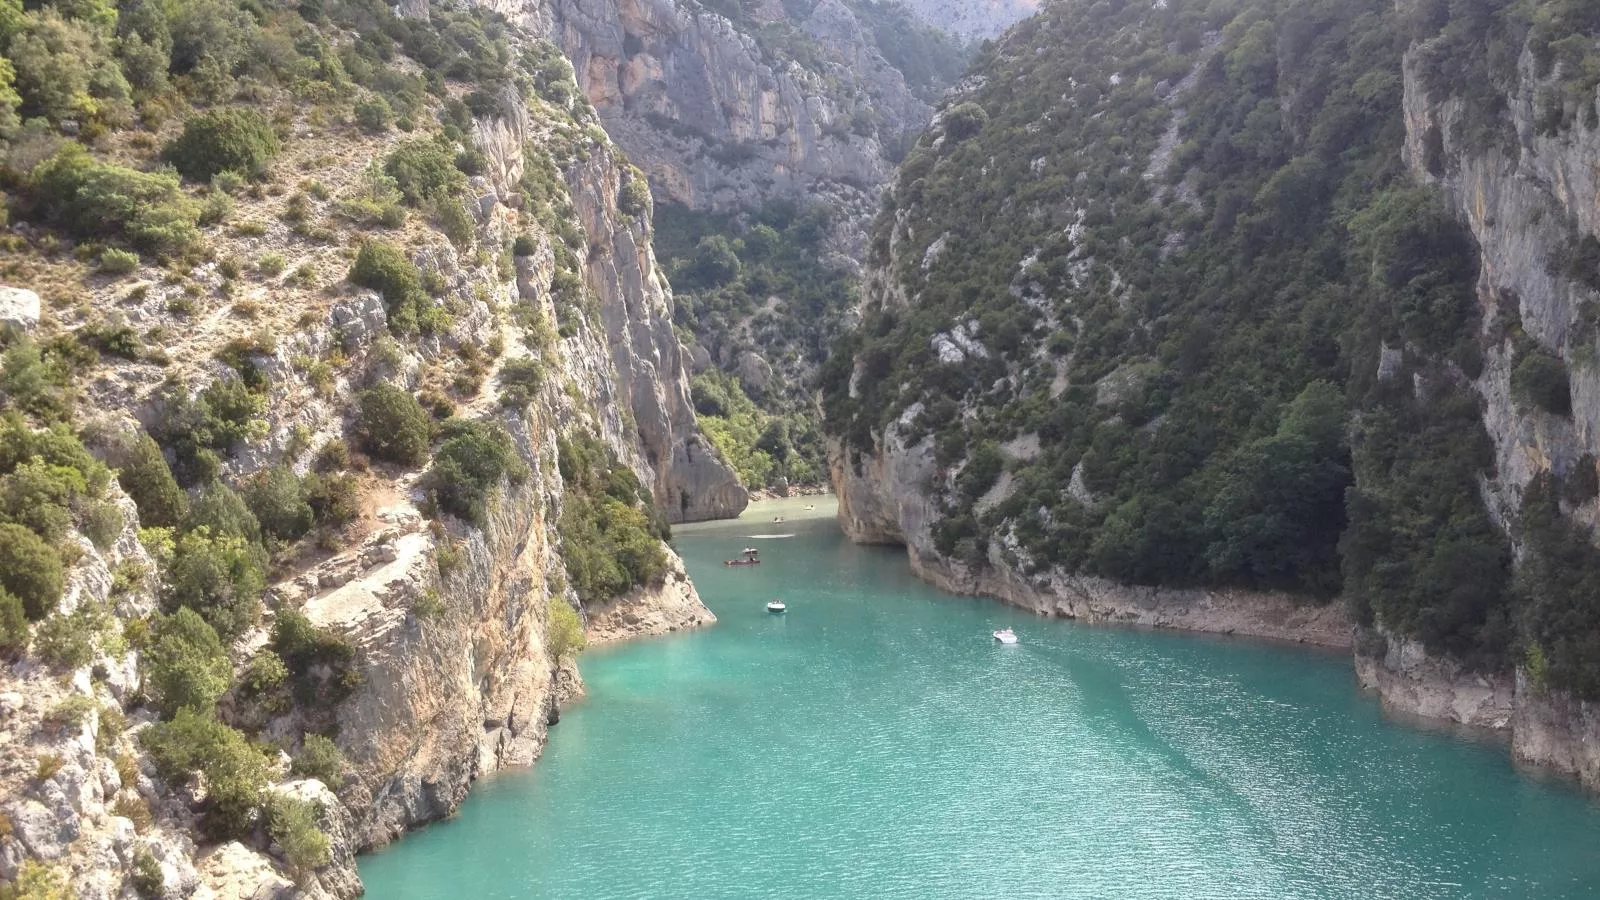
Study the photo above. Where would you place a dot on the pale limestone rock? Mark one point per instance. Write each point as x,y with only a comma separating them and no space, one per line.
19,308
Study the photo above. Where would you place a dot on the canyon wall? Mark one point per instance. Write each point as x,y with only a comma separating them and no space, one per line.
1527,194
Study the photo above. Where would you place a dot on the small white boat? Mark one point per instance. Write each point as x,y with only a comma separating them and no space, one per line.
1006,636
810,507
776,606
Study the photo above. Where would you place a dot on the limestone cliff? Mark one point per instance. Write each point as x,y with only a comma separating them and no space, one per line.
1529,198
721,115
453,672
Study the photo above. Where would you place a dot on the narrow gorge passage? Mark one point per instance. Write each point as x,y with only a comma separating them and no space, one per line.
874,741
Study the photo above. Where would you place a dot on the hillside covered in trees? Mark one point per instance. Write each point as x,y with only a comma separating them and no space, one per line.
1190,294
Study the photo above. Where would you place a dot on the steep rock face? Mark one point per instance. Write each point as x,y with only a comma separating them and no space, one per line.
451,697
718,121
690,481
973,21
1528,200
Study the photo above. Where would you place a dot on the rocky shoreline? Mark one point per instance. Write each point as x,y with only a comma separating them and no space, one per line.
672,606
878,504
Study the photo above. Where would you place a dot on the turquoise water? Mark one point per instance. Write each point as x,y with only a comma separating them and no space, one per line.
875,742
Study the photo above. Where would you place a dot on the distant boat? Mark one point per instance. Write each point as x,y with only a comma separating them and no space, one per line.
751,558
810,506
776,607
1006,636
777,518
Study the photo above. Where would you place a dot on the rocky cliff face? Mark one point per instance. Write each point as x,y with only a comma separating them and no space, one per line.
1529,198
721,115
453,674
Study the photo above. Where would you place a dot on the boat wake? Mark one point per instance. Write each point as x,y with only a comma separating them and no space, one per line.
767,537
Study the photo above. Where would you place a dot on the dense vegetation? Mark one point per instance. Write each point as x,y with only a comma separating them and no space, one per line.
1241,334
611,532
758,286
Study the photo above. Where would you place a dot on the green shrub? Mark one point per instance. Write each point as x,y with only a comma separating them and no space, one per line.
386,269
393,426
101,521
67,641
185,664
143,473
147,880
633,198
28,385
56,63
334,498
374,201
455,222
40,881
111,725
609,540
322,663
293,823
219,508
224,413
520,381
270,265
71,713
91,199
278,500
468,465
564,632
320,758
236,771
424,171
224,140
13,625
30,570
118,262
1540,379
220,576
265,673
39,496
374,116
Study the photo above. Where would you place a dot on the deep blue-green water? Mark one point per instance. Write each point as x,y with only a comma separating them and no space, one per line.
875,742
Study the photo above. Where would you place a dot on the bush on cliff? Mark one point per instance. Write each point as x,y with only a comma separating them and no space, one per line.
224,140
1540,379
185,665
393,426
386,269
236,771
321,663
30,570
563,630
219,576
473,459
91,199
610,530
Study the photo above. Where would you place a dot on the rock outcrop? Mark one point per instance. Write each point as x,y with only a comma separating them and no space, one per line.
718,118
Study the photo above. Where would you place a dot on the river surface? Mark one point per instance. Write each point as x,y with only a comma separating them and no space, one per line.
876,743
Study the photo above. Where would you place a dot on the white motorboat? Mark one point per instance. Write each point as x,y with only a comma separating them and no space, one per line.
776,606
1006,636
